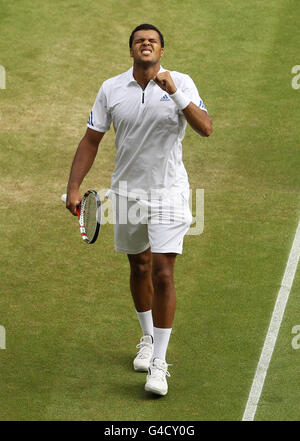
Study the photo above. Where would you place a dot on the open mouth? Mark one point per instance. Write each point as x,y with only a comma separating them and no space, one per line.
146,52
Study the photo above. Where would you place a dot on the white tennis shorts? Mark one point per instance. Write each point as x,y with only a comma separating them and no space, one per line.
160,224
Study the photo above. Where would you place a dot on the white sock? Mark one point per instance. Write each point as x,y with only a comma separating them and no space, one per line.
146,322
161,340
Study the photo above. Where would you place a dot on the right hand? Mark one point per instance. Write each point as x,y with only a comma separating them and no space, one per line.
73,201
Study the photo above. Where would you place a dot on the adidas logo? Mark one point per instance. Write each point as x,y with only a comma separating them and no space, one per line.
165,98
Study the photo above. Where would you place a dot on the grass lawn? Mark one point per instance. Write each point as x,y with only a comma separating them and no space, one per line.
71,328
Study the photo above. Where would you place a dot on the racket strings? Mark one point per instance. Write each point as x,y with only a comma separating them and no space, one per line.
90,216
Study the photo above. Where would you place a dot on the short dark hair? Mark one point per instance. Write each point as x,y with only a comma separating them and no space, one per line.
146,26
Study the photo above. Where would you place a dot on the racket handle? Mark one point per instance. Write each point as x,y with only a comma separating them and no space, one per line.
64,199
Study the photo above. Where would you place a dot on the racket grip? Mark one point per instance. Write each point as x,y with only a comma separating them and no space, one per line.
64,199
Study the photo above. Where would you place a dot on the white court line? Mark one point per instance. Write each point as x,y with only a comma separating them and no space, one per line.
275,323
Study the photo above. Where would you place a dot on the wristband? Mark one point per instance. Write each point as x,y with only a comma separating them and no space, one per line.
180,99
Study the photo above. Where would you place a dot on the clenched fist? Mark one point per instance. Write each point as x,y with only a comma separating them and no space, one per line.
165,82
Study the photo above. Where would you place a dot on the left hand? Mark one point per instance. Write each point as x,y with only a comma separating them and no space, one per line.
165,82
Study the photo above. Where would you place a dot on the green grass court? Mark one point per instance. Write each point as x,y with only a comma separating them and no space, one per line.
71,328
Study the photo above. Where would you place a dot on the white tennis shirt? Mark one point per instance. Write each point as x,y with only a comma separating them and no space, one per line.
149,131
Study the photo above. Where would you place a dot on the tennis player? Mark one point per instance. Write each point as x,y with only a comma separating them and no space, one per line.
149,108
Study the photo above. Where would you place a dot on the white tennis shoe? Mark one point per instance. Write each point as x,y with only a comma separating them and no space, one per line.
156,379
142,360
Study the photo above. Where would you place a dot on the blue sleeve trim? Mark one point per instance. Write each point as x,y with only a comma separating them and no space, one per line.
90,121
202,106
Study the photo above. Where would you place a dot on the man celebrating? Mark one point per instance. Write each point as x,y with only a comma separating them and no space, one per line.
149,108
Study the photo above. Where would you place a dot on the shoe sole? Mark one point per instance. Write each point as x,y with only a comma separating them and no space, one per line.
140,369
156,391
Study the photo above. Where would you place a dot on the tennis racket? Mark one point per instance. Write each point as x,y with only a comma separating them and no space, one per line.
89,216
